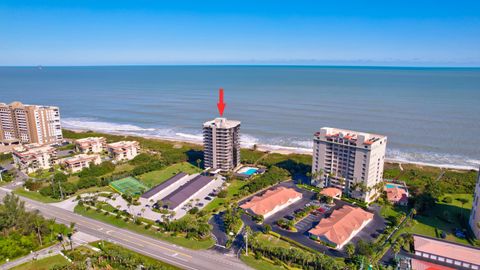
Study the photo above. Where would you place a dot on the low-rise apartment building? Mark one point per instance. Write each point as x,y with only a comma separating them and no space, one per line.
32,157
475,214
30,123
123,150
341,226
272,201
161,190
80,162
446,253
91,145
175,200
349,160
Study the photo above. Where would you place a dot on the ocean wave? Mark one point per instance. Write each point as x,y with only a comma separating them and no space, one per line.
432,159
271,144
88,123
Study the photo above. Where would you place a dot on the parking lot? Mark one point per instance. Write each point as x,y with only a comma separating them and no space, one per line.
370,232
307,223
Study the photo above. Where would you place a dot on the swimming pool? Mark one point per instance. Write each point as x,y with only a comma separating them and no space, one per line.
248,170
389,185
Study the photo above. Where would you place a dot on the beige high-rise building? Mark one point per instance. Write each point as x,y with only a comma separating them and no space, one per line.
350,160
30,123
475,214
221,140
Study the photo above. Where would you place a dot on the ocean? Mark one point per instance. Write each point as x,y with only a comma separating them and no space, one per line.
430,115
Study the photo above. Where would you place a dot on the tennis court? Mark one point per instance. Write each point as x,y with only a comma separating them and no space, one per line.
128,185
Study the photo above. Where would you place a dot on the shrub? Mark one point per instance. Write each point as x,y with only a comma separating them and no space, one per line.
275,234
222,194
447,199
97,170
87,182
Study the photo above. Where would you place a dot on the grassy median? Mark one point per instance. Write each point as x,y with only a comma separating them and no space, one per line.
119,222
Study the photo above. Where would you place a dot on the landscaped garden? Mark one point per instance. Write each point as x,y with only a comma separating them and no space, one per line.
190,231
24,231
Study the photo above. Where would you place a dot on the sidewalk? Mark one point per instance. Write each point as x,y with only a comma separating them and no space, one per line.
78,238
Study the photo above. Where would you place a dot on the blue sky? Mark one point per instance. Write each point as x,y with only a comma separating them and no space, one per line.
102,32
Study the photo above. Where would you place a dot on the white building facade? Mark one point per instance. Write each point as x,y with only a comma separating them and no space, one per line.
123,150
32,157
81,161
349,160
221,140
91,144
475,213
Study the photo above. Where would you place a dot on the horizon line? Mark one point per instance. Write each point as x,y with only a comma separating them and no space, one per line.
245,65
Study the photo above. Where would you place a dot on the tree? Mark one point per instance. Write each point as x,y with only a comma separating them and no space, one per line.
350,250
199,161
268,228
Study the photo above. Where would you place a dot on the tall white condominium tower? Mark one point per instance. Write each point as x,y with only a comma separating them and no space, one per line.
221,140
349,160
475,214
30,123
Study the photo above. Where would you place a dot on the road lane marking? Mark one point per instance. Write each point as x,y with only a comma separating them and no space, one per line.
149,243
65,217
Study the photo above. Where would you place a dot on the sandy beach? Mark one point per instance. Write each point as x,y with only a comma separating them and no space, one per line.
284,150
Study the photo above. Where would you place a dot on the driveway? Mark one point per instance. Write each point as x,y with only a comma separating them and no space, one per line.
218,229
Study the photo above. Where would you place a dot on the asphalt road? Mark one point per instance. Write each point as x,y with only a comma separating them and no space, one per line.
163,251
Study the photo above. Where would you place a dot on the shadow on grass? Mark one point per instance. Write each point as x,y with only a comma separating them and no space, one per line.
445,218
193,156
297,170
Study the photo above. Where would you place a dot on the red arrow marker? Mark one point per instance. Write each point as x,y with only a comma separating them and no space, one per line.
221,105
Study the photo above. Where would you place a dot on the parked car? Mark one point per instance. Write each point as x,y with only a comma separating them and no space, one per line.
298,211
208,198
316,203
289,217
211,194
200,204
321,210
316,213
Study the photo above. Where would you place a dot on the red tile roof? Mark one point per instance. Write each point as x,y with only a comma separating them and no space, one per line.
341,224
262,205
423,265
331,192
397,194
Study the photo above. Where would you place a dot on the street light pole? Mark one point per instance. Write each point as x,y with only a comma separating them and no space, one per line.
246,244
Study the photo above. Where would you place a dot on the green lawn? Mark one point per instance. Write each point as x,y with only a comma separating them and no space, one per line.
445,217
274,241
392,211
259,264
34,196
145,259
181,241
43,264
232,190
154,178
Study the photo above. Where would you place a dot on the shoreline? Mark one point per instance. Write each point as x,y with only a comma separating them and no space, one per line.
283,150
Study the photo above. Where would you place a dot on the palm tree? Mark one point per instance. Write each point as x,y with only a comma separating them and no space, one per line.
350,250
396,248
199,161
38,224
